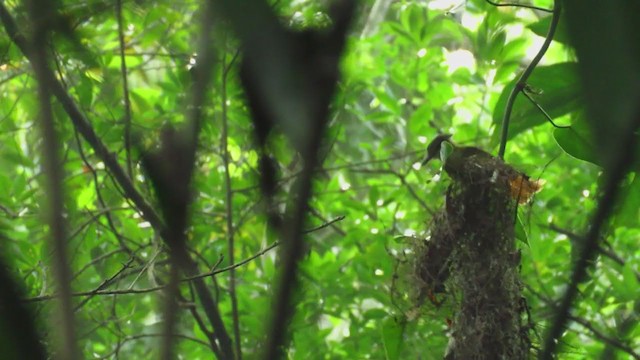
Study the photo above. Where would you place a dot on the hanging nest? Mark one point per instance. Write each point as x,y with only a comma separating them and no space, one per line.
471,256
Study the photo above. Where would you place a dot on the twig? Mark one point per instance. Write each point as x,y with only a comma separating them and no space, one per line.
213,272
532,7
414,194
588,325
521,83
605,338
549,119
141,336
96,183
105,283
82,124
604,251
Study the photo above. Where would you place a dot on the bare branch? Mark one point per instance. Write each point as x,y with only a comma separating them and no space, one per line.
526,6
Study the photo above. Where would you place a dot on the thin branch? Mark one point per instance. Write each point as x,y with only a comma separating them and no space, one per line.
203,327
125,89
605,338
41,19
141,336
611,341
104,284
546,115
340,167
414,194
82,124
604,251
532,7
213,272
96,183
521,83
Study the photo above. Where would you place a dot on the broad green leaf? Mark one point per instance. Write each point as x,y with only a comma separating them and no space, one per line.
521,232
541,28
560,94
630,281
577,142
629,212
608,55
392,337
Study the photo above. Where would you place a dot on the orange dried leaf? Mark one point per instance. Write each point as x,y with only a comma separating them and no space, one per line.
522,188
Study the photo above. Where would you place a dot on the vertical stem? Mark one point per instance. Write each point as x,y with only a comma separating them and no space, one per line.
63,318
522,81
125,90
170,310
229,207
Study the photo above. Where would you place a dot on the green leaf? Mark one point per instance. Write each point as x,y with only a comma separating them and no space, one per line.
629,211
521,232
560,95
608,54
577,142
392,337
541,28
630,281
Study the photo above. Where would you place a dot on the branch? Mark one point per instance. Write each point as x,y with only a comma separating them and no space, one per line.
532,7
213,272
604,251
82,124
107,214
521,83
84,127
588,325
42,17
125,89
546,115
605,338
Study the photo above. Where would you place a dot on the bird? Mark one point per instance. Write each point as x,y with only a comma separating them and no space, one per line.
434,147
469,163
455,160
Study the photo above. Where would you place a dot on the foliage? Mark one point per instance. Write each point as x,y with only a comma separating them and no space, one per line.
431,67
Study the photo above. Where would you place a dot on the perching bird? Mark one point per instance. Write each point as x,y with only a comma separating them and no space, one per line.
467,163
459,152
433,149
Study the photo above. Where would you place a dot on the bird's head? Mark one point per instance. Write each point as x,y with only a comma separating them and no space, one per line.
433,150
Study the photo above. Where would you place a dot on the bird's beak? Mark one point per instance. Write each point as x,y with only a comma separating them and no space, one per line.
426,160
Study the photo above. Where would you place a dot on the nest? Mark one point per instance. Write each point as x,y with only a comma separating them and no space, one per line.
471,254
